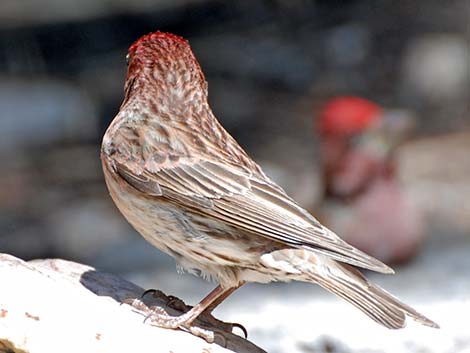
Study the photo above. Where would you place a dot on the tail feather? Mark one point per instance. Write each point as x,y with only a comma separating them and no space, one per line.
409,311
346,282
349,284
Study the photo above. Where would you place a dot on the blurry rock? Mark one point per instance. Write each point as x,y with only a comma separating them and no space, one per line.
435,172
437,66
39,111
364,202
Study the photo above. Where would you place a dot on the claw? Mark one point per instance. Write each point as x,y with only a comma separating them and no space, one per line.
155,293
148,291
241,327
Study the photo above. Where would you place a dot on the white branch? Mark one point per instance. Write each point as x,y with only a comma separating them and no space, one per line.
61,306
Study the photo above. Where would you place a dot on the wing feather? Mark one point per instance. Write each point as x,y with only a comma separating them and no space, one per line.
243,200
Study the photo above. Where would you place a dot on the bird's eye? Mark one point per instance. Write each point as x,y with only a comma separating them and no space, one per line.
127,59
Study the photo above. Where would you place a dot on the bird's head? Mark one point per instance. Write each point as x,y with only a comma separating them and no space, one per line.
358,141
348,116
164,63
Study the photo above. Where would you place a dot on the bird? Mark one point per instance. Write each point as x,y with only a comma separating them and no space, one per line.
359,141
184,183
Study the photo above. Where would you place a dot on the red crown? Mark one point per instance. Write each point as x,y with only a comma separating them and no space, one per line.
348,115
155,36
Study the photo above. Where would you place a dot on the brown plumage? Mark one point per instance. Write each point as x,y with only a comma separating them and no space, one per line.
186,185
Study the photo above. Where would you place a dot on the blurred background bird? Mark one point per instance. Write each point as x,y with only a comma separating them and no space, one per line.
363,198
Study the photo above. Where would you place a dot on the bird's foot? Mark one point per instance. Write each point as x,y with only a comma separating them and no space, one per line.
206,317
204,325
161,318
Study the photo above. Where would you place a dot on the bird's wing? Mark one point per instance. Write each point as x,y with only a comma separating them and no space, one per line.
240,198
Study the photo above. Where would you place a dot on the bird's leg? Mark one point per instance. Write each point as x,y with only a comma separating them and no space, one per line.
206,315
221,298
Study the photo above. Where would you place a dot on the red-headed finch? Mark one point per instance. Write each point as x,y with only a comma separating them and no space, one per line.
190,190
358,144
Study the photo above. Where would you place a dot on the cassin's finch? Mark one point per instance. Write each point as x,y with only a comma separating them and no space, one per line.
188,188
